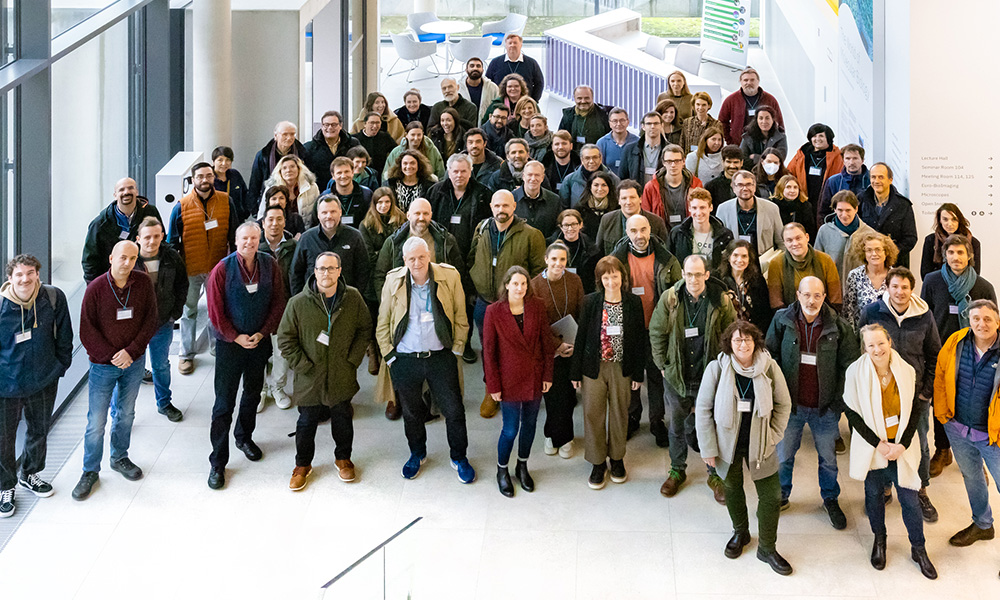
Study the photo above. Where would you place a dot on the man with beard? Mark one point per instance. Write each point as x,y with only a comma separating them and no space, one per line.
468,113
119,221
484,161
441,244
509,175
496,129
740,107
478,89
561,161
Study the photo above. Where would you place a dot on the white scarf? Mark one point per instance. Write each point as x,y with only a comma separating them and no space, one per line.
725,405
863,395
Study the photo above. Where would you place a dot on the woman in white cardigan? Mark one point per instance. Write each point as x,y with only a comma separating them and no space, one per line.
301,183
741,413
878,392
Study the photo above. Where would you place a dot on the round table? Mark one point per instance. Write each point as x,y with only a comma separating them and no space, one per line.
447,28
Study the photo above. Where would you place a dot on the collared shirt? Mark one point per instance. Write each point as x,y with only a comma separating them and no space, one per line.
420,335
520,58
650,161
974,385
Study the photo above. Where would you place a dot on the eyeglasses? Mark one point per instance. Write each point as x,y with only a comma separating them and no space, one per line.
672,161
569,225
327,269
329,125
874,250
746,184
737,342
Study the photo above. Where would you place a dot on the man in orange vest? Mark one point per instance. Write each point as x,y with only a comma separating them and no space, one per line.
203,229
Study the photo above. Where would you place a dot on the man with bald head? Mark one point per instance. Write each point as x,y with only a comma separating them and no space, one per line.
814,347
468,113
117,320
419,223
118,221
283,144
535,204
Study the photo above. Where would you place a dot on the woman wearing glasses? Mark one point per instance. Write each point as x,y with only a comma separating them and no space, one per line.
580,247
865,284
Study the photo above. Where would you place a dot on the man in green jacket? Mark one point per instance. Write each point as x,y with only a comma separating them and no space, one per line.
419,223
279,244
323,335
685,335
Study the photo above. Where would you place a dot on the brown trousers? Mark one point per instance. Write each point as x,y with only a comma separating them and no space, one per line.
605,413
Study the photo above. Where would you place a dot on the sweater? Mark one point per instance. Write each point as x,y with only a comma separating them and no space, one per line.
102,332
733,113
233,309
561,298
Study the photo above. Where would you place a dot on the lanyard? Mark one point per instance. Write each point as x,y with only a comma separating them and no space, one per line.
751,225
755,102
810,329
816,163
248,276
115,292
563,172
697,311
562,313
228,181
348,207
459,201
501,238
743,391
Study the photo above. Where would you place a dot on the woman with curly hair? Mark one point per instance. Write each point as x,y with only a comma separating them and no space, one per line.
302,189
866,283
512,88
410,178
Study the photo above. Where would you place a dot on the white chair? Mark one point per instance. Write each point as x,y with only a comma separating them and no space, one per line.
498,30
410,49
416,21
465,48
688,58
656,47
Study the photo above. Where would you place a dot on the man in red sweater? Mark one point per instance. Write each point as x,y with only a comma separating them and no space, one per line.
117,320
246,297
740,107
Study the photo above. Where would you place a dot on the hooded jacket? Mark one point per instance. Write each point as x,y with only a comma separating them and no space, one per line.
446,251
104,232
319,157
914,335
36,363
681,243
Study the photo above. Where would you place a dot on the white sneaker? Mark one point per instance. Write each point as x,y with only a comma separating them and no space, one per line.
281,399
566,450
263,398
549,448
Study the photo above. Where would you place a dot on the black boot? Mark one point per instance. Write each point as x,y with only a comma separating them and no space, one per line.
878,552
522,475
919,556
504,483
734,548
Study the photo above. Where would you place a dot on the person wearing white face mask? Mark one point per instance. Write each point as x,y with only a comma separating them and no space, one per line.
768,170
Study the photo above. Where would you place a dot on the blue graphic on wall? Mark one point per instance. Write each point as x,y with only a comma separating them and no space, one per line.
863,11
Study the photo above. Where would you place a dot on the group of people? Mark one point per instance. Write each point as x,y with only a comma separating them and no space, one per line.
591,261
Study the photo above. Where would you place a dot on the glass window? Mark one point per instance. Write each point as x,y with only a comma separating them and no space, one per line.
89,147
8,31
67,14
7,147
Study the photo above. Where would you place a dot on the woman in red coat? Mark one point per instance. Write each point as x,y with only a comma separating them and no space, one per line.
517,361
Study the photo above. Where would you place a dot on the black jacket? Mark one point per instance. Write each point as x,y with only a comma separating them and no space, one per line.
499,67
935,293
460,217
555,174
262,168
423,115
236,187
586,359
378,146
681,242
916,339
721,189
896,220
927,264
482,171
496,139
591,128
541,213
346,242
446,251
319,157
104,232
468,113
501,179
171,284
759,312
632,166
583,258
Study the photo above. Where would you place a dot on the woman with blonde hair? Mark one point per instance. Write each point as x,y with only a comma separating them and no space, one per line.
303,192
794,205
876,253
679,93
525,108
705,162
377,102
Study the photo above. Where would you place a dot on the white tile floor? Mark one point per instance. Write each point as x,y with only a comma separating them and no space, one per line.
169,536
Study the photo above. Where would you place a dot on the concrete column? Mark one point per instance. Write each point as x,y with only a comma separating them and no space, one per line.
425,6
212,74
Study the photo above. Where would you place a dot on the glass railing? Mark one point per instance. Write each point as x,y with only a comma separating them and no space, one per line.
383,573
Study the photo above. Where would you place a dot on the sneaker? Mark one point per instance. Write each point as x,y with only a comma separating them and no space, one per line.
127,468
85,485
147,377
281,399
466,474
927,510
618,473
840,446
549,448
300,477
598,476
718,488
345,470
34,484
673,483
566,450
7,503
171,412
837,517
412,467
185,366
264,393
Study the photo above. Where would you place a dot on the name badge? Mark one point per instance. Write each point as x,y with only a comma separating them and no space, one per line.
618,163
124,314
745,238
323,338
581,140
639,291
211,224
571,270
808,358
614,330
675,218
953,309
815,171
690,332
24,336
751,112
650,170
347,220
251,288
559,187
345,247
123,235
494,261
743,405
456,219
426,317
892,421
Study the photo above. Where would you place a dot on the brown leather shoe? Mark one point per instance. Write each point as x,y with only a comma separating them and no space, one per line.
673,483
345,470
299,478
940,460
718,488
488,409
392,411
374,359
185,366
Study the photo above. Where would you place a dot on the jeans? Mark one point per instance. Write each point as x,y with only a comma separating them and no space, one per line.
654,395
680,429
479,315
159,362
970,457
340,426
517,415
825,429
189,318
440,372
232,363
37,416
768,502
116,389
560,401
277,375
924,417
875,484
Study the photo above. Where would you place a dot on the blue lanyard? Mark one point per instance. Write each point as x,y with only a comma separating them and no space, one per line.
127,296
749,226
697,311
743,392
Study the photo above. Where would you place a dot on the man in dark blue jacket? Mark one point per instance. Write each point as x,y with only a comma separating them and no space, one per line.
36,347
853,177
514,61
119,221
889,212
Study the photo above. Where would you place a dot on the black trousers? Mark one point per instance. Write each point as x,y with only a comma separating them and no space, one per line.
37,416
440,372
654,394
941,441
341,427
233,363
560,401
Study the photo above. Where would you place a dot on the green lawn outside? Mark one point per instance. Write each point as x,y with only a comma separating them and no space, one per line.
669,27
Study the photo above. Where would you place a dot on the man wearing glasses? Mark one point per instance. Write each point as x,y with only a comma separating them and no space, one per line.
753,219
330,142
799,260
642,157
666,193
685,335
613,143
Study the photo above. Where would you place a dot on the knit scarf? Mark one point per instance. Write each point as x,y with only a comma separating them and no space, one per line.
939,238
959,287
848,229
725,406
810,264
538,146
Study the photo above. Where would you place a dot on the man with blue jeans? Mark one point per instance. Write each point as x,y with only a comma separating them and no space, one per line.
966,398
166,270
117,320
814,347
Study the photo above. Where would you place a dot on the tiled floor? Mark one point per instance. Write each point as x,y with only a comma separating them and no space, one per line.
169,536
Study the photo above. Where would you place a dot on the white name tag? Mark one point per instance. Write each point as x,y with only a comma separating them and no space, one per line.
675,218
559,187
743,405
24,336
152,266
815,171
650,170
892,421
347,220
123,235
211,224
751,112
124,313
690,332
618,163
808,359
639,291
571,269
345,247
581,140
745,238
323,338
614,330
953,309
456,219
251,288
494,261
426,317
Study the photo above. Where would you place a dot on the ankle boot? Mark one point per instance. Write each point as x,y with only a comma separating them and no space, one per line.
522,475
919,556
878,552
504,483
